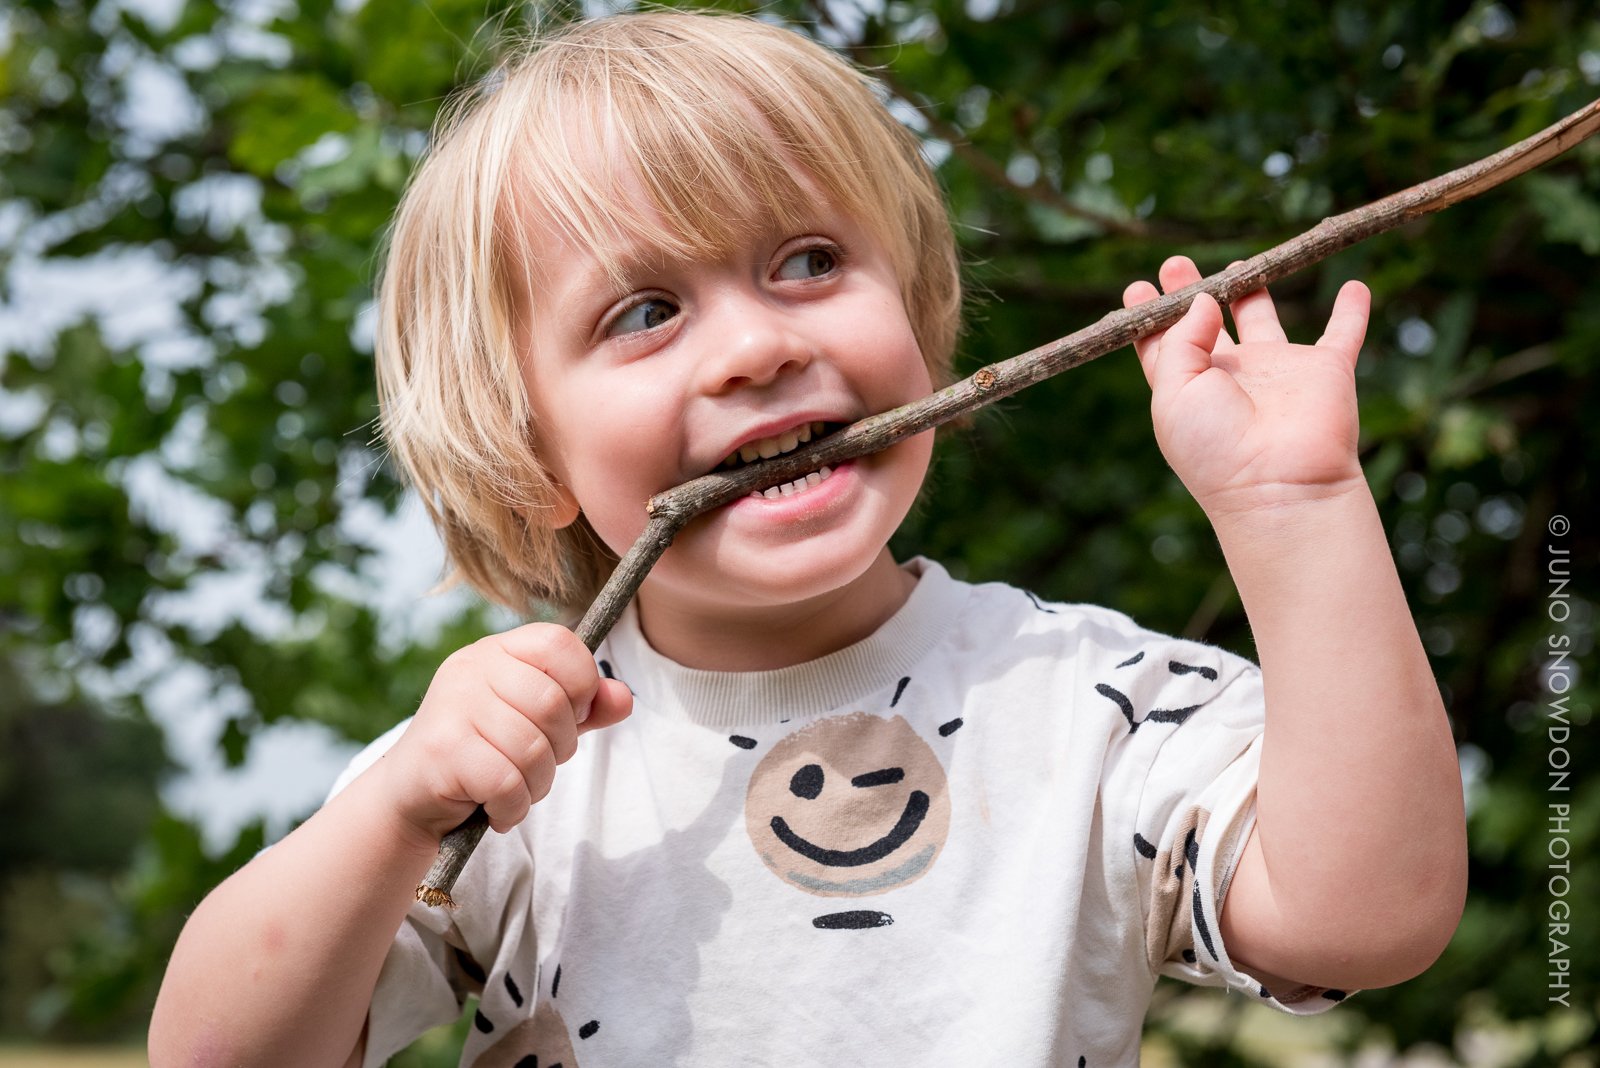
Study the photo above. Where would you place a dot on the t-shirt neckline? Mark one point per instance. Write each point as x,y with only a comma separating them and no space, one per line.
730,698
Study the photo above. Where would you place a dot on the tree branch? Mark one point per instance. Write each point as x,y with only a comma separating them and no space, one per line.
670,511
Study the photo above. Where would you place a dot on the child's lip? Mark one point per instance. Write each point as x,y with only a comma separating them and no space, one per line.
804,502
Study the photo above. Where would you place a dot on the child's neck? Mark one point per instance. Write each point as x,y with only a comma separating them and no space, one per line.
763,638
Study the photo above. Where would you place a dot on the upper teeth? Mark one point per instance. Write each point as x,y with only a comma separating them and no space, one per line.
767,448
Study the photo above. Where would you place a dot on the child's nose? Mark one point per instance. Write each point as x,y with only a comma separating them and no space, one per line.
755,346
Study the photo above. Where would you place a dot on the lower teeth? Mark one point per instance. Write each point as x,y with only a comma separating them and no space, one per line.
799,485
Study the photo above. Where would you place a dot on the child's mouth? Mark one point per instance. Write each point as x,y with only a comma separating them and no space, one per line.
799,485
783,443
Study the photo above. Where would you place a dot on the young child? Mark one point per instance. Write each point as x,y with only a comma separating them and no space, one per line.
861,812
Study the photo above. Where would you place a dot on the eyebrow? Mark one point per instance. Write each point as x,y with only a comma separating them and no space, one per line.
574,294
594,284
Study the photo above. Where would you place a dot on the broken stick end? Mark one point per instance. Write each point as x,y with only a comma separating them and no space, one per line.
434,898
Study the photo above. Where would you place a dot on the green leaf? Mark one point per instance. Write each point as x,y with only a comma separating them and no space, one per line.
281,115
1570,213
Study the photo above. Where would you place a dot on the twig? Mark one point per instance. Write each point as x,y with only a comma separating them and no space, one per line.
670,511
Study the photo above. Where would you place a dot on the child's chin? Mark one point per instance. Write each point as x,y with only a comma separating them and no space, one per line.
733,572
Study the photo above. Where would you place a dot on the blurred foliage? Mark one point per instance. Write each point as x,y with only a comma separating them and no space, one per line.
252,153
86,784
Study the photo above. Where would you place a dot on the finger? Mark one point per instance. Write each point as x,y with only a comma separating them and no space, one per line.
1256,319
1187,348
612,704
539,702
1177,272
508,805
1347,324
494,781
1141,292
1180,271
524,754
557,652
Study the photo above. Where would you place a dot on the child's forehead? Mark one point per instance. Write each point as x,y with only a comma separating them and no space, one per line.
620,221
619,260
628,173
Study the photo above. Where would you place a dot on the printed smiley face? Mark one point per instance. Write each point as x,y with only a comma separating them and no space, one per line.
849,806
540,1040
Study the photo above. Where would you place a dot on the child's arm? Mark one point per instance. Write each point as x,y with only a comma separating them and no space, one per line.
278,964
1355,873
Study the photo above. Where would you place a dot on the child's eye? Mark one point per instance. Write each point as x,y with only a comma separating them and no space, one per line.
808,263
645,315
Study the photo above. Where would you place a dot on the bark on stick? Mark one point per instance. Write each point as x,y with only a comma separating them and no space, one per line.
670,511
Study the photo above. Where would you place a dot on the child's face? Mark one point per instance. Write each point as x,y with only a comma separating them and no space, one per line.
640,390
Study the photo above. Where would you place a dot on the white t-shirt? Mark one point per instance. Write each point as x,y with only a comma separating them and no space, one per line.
975,837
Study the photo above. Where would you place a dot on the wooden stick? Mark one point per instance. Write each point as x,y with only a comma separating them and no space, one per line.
670,511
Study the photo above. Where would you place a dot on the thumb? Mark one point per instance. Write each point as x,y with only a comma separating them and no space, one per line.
1186,347
612,704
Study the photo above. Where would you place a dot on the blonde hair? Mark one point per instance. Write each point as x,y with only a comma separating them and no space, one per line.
711,113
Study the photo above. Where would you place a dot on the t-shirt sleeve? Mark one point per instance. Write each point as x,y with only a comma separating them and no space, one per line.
1202,712
422,985
430,970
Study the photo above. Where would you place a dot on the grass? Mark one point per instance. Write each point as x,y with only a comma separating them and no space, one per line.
72,1057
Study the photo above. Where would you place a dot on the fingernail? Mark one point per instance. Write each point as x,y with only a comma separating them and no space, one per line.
583,713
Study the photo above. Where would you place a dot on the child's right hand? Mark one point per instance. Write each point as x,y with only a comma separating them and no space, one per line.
498,717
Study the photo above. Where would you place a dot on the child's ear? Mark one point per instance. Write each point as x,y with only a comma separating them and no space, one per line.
564,508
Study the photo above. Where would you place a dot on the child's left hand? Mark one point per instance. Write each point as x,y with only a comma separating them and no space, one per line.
1257,423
